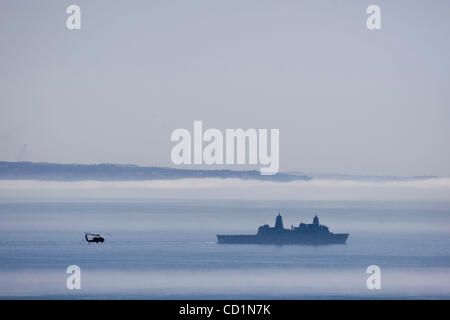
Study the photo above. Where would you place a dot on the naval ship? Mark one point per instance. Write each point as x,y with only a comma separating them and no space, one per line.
309,234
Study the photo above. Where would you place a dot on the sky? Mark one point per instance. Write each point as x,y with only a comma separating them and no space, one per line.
346,99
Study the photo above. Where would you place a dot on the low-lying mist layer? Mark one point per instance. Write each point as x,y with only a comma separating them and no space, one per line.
316,189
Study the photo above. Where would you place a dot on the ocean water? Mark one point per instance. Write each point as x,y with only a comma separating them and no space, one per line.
158,249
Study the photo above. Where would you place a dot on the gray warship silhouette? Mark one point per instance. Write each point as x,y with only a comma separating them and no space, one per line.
307,234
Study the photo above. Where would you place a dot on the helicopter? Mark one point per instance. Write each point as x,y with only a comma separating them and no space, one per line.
93,237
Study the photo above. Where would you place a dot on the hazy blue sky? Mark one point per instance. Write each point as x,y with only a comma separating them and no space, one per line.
345,99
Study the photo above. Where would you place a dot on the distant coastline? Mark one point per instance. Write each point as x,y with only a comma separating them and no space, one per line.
45,171
118,172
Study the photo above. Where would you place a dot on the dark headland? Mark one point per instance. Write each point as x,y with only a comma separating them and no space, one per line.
118,172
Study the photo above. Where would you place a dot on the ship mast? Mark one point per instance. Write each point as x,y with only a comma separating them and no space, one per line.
279,222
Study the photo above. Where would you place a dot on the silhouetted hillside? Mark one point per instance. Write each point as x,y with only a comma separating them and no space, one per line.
111,172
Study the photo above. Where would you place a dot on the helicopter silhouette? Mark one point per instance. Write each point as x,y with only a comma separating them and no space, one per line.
93,237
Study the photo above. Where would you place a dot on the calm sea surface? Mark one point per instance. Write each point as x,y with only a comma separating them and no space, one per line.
167,249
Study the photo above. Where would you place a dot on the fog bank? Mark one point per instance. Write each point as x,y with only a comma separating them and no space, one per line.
316,189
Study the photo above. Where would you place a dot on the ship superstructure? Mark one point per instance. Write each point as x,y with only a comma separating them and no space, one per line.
312,234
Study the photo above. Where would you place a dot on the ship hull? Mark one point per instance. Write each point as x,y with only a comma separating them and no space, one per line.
301,239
